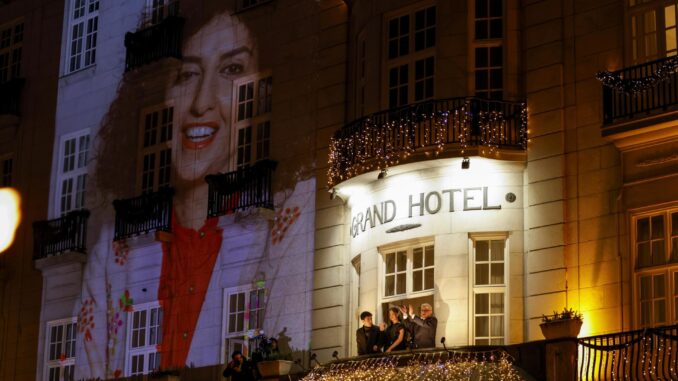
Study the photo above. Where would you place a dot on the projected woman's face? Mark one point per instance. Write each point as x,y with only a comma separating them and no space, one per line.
213,58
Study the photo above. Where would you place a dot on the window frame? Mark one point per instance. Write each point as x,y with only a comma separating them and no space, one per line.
668,268
411,58
408,246
238,337
71,21
74,174
156,148
490,288
486,43
258,118
61,364
12,49
639,10
146,349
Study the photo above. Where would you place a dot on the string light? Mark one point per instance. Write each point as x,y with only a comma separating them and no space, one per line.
382,140
634,86
429,366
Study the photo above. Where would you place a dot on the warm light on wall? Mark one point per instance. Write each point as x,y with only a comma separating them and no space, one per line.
10,216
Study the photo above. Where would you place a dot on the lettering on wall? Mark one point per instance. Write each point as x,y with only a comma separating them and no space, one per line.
424,203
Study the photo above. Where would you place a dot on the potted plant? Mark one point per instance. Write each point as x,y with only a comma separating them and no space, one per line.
561,324
271,363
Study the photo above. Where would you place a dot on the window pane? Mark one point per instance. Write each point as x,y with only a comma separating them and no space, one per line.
674,223
657,227
646,313
428,279
390,263
658,255
401,284
643,229
497,303
658,290
482,274
482,250
428,256
482,326
644,256
497,250
659,311
418,255
482,304
645,288
390,285
402,260
497,276
497,326
417,280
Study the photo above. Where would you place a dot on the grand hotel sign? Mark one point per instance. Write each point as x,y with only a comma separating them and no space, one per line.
424,203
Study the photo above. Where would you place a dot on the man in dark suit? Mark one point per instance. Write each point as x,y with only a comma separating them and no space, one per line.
422,327
368,336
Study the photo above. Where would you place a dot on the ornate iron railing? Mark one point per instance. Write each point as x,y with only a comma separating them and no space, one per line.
621,106
68,233
241,189
382,139
143,214
10,96
153,43
645,354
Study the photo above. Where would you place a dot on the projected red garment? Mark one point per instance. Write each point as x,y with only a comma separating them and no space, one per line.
186,271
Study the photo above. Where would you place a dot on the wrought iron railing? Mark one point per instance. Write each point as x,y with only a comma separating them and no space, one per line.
143,214
383,139
10,96
68,233
153,43
645,354
622,106
241,189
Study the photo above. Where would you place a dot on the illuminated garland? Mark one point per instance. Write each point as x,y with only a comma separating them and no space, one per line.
376,144
635,86
440,366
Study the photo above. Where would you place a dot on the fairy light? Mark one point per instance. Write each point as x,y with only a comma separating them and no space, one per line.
633,86
383,140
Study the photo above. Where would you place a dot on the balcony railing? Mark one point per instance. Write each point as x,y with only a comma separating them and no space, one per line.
153,43
645,354
619,106
68,233
241,189
381,140
143,214
10,96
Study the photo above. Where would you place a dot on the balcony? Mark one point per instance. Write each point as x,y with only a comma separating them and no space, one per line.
60,235
639,96
425,130
245,188
154,42
143,214
10,96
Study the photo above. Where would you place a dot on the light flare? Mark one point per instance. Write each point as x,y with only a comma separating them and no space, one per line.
10,216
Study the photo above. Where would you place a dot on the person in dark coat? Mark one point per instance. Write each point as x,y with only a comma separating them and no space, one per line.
422,327
239,369
368,336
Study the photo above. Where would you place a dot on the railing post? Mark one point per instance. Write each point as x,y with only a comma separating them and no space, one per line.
561,360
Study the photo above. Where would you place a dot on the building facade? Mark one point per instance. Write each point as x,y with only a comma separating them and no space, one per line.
463,154
29,49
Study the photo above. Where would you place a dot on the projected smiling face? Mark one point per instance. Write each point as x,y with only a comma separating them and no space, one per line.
213,58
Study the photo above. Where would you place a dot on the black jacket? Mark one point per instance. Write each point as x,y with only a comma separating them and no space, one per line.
245,373
424,331
367,338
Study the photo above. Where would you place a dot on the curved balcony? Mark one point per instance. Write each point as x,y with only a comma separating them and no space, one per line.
143,214
60,235
427,130
241,189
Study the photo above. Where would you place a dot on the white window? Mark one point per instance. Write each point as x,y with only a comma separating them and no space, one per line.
143,337
11,41
7,165
243,316
83,26
408,270
410,64
655,248
72,175
252,119
158,10
651,29
60,350
488,49
155,151
488,312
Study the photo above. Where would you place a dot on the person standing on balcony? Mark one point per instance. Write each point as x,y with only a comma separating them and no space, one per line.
368,336
395,332
423,327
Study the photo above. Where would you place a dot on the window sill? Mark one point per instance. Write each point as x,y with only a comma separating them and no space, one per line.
76,75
